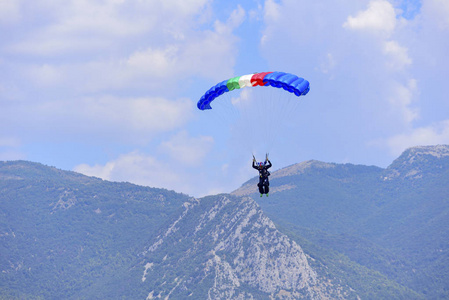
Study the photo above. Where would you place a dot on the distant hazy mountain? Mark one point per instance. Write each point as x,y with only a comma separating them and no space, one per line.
327,231
394,221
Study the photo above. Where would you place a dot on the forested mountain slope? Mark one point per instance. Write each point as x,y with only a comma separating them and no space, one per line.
327,231
67,236
393,220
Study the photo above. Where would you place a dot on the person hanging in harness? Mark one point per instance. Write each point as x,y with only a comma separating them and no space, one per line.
262,167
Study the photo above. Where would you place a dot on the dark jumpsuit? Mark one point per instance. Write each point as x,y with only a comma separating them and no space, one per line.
264,184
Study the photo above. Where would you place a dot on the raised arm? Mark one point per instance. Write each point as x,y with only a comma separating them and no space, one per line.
254,164
269,164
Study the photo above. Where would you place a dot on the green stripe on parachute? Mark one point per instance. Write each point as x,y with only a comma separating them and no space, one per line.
233,83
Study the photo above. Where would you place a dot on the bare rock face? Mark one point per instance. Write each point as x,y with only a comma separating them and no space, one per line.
224,247
414,162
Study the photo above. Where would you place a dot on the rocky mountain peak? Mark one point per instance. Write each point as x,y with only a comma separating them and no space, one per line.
419,153
413,162
228,249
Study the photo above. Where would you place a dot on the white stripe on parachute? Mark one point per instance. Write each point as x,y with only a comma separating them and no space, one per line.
245,81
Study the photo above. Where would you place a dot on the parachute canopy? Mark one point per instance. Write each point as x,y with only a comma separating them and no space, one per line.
289,82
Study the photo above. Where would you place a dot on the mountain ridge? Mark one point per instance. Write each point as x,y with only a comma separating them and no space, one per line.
410,157
403,209
324,226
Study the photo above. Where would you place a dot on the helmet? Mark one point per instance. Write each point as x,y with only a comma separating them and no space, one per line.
261,164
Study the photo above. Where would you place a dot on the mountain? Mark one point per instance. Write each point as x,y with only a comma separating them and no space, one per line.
68,236
327,231
62,232
230,250
394,221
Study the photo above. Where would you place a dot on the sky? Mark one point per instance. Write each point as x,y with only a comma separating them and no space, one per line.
108,88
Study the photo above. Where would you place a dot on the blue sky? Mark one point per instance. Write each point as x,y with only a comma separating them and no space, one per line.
109,88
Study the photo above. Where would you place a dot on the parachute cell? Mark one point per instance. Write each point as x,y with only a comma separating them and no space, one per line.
289,82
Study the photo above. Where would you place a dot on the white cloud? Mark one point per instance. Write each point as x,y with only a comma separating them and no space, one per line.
379,17
157,61
149,170
187,150
434,134
113,72
78,26
180,7
209,55
380,73
137,168
75,26
255,14
134,120
398,54
438,12
43,45
9,11
146,114
152,170
45,75
188,167
65,57
272,11
235,19
92,47
271,15
100,171
401,100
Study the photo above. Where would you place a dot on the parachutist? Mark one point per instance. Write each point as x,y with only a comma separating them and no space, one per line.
262,167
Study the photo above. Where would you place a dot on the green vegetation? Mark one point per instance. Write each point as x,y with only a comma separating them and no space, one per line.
62,233
377,233
392,222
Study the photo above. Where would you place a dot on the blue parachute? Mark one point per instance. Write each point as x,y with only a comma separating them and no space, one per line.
289,82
